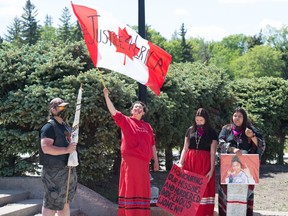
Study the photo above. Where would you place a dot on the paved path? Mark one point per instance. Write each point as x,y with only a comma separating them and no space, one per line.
256,212
261,213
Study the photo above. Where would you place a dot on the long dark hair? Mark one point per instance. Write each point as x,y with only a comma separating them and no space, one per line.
203,113
246,123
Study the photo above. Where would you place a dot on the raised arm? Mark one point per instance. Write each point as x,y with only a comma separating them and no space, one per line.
109,103
250,134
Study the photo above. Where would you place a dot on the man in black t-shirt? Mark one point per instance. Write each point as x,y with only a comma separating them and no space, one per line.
54,150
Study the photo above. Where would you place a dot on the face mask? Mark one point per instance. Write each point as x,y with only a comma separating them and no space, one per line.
62,114
200,130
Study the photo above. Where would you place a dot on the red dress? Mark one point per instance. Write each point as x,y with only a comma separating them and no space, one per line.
136,150
198,160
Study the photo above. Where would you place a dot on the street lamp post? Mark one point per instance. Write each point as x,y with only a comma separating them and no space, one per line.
142,89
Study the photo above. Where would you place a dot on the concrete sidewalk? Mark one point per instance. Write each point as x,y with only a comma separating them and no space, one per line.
261,213
157,211
256,212
268,213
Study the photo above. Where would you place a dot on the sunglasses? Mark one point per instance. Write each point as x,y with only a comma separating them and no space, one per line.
61,108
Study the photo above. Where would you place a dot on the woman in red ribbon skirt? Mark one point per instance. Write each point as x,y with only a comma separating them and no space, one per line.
198,156
137,149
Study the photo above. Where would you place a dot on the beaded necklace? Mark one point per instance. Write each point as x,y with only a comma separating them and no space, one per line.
197,140
198,135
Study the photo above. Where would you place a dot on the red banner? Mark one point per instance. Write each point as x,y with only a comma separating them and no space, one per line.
182,192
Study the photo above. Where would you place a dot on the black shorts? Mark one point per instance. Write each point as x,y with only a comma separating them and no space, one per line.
55,186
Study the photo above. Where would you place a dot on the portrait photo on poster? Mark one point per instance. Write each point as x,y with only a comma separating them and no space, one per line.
242,169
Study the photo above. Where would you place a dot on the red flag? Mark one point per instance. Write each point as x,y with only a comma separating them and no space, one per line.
117,47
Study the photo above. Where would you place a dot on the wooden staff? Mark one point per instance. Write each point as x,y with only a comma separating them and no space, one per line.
74,138
101,78
68,183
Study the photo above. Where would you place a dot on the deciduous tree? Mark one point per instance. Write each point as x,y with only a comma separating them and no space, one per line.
258,62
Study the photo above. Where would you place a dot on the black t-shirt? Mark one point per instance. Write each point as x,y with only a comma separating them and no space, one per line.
205,141
47,131
61,134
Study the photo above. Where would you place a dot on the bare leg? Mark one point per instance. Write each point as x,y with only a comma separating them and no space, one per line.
48,212
65,211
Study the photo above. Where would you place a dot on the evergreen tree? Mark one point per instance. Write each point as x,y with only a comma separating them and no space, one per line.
186,55
30,32
76,32
66,27
174,35
255,40
14,32
48,20
48,32
200,50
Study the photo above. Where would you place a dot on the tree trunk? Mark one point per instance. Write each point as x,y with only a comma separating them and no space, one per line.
281,149
168,158
117,162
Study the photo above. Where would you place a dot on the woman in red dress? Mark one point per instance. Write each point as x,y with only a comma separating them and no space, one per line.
137,149
198,156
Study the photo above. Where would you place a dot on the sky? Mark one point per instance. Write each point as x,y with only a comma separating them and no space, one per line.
208,19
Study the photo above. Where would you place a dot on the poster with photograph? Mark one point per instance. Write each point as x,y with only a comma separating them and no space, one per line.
242,169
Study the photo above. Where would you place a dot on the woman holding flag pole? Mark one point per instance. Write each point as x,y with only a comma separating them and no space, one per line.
137,149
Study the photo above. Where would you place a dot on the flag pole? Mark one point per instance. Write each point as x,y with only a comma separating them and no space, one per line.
101,77
68,184
73,157
142,89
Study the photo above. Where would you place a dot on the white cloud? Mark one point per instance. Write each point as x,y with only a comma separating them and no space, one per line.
267,22
209,33
181,12
13,3
11,8
10,11
248,1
